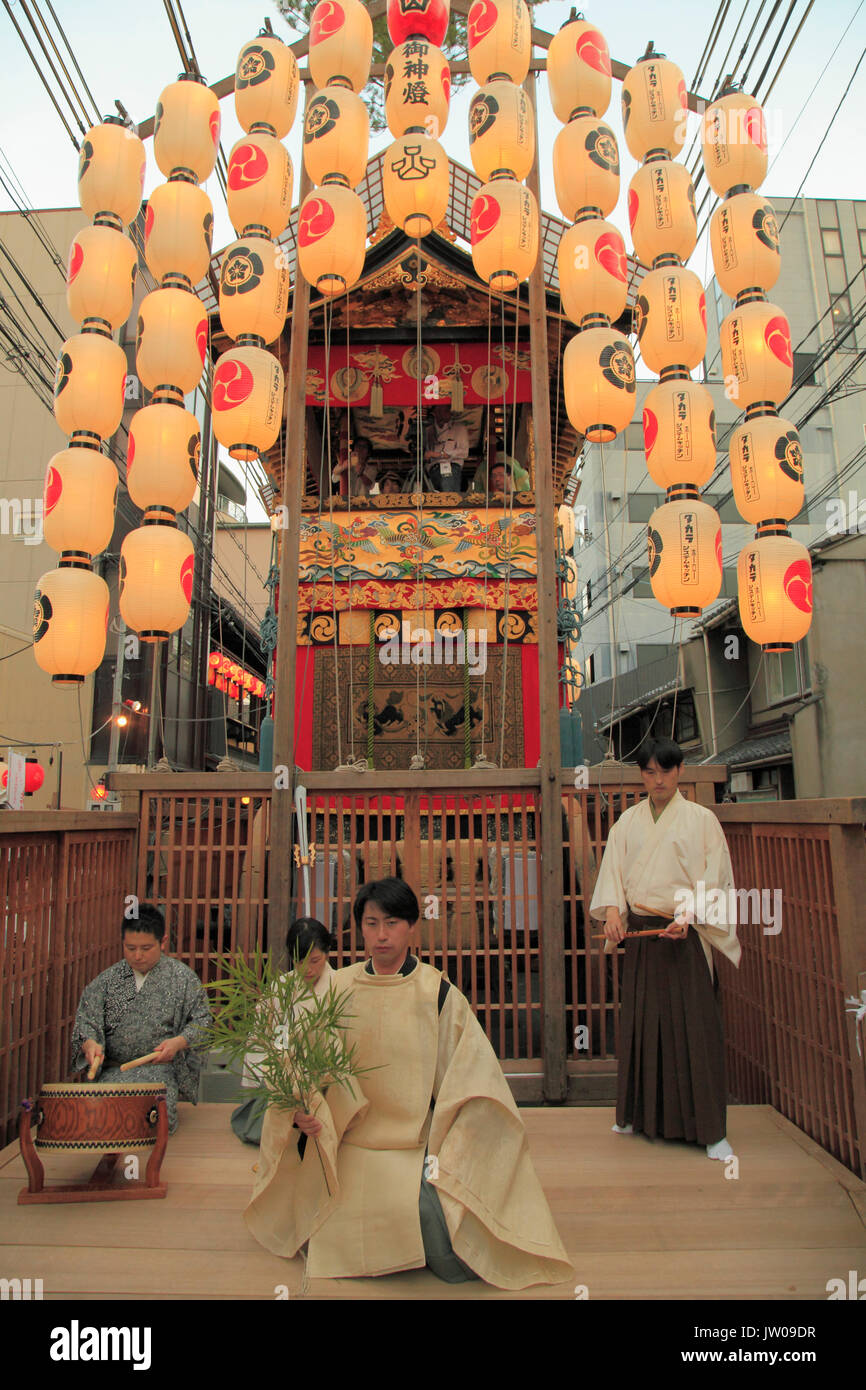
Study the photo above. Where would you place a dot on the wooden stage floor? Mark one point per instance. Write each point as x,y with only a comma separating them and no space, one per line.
639,1220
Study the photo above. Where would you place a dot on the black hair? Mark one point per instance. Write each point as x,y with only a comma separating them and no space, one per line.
308,934
393,895
149,920
666,753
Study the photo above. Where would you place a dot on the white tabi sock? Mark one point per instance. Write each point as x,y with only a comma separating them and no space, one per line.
720,1150
622,1129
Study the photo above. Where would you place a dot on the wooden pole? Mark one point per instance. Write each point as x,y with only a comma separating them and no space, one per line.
549,836
280,908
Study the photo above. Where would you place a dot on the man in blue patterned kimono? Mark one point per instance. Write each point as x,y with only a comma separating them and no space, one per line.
148,1002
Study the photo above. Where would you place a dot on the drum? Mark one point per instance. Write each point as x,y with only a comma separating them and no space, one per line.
93,1116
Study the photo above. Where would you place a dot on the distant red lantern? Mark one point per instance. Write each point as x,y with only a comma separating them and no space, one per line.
34,776
427,19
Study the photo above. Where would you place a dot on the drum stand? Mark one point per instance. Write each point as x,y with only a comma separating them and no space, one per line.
101,1186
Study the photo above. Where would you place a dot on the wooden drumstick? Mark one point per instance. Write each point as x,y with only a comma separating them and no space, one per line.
94,1067
139,1061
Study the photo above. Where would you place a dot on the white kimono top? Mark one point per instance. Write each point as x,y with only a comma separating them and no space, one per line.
252,1060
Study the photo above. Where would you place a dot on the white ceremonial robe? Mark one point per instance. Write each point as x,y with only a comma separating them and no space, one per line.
253,1059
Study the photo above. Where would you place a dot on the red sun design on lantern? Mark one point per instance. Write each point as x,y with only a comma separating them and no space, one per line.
798,585
486,212
328,19
482,18
681,94
446,82
214,124
610,254
232,384
186,573
141,173
702,310
248,165
201,339
777,336
76,260
429,18
148,222
592,49
316,220
123,387
130,453
756,127
53,489
719,547
633,205
650,430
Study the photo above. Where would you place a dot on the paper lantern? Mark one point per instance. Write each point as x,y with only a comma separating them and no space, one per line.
34,776
734,143
767,467
336,136
254,289
417,89
501,131
178,233
578,70
247,401
266,86
504,232
172,339
156,573
599,382
259,185
89,385
416,183
111,167
671,318
774,579
757,362
661,211
78,501
332,239
186,132
744,236
100,277
341,44
427,19
654,108
684,545
679,431
499,39
569,584
70,620
162,459
4,780
565,525
593,270
586,167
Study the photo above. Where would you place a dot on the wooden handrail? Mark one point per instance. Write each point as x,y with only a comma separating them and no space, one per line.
37,822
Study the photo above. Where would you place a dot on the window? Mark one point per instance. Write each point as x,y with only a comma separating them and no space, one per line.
832,242
643,587
590,669
634,436
641,505
804,369
727,510
786,674
827,214
587,596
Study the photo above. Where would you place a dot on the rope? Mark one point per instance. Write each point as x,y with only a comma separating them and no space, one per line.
467,725
371,657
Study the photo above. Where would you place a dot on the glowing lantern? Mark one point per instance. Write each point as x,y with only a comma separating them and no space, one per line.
499,34
756,351
774,578
593,270
111,168
501,131
767,468
266,86
34,776
332,238
89,385
684,543
654,107
156,573
679,431
163,458
744,236
172,339
341,44
586,167
565,525
415,183
70,619
336,136
661,210
734,143
671,318
247,401
186,131
254,290
78,501
423,18
599,381
578,70
100,277
504,223
411,100
178,233
259,185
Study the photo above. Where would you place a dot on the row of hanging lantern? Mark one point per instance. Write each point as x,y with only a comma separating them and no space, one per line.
71,602
415,177
598,364
504,216
774,571
248,382
332,223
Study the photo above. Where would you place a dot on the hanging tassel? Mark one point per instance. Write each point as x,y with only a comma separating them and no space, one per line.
377,400
457,386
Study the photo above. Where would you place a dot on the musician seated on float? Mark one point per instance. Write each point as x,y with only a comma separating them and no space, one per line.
147,1005
446,446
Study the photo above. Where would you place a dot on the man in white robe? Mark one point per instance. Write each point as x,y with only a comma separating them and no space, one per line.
667,858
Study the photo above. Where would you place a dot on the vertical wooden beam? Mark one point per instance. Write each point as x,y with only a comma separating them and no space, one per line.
848,867
549,833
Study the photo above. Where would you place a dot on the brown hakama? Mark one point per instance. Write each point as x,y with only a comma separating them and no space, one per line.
671,1075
